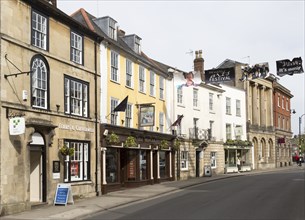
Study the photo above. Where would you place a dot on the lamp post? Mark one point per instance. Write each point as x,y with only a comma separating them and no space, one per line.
300,122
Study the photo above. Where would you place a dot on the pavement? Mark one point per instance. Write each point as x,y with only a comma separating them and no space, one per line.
89,206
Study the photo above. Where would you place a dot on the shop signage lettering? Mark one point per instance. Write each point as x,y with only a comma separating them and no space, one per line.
75,128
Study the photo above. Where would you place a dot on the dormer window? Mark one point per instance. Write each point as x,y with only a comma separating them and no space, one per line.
112,29
137,45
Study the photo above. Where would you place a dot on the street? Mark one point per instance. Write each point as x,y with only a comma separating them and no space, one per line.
272,195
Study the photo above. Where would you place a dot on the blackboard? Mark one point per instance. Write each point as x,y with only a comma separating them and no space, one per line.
63,194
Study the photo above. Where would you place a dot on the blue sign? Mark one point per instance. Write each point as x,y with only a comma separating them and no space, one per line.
63,194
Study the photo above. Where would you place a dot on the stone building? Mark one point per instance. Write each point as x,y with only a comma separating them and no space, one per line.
260,124
49,103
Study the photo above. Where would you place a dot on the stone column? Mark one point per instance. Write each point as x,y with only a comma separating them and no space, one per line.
263,112
255,105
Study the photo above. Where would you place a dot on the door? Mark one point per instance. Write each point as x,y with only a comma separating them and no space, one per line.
197,163
37,169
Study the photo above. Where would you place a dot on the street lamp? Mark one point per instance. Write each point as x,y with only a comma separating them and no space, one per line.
300,122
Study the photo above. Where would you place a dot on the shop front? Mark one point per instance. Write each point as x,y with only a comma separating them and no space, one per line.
135,158
237,158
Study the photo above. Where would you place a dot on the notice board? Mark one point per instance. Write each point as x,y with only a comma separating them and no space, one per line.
63,194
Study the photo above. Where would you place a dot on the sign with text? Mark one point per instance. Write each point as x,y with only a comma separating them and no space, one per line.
219,75
287,67
63,194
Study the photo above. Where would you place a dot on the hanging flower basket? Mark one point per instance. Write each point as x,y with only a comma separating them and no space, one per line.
130,142
176,145
164,144
113,138
66,151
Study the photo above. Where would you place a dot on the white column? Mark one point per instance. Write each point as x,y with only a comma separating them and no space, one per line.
151,165
103,149
170,164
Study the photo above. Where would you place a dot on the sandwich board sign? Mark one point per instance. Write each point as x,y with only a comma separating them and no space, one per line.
63,194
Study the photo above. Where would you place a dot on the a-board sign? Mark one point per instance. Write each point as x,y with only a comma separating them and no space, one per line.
63,194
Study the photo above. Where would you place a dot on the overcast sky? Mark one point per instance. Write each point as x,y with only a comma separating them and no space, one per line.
245,31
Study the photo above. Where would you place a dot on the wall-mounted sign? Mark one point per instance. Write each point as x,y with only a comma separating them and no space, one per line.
17,126
75,128
147,116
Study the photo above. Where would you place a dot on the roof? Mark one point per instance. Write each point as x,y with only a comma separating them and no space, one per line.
87,20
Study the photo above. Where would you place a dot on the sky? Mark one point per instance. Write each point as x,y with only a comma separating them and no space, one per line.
245,31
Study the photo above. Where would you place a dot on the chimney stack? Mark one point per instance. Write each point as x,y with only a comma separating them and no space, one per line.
199,64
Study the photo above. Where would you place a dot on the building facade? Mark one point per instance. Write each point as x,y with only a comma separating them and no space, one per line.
138,86
49,105
282,124
259,102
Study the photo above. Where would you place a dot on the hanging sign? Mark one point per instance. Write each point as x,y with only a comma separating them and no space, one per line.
287,67
219,75
17,125
63,194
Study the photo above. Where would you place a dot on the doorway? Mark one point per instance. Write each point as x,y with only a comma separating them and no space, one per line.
197,163
37,169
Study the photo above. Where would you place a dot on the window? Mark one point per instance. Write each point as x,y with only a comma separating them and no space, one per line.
278,101
238,132
39,81
112,29
195,98
161,122
112,168
179,95
114,115
213,159
287,105
211,101
77,166
279,122
141,79
152,83
143,164
39,30
128,73
76,48
161,82
228,106
238,112
76,97
283,103
138,45
283,123
128,115
114,66
184,160
228,132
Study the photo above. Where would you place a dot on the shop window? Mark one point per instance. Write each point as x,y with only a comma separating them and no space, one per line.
77,166
143,164
112,165
162,164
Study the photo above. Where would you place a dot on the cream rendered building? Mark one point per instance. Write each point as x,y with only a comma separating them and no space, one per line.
49,99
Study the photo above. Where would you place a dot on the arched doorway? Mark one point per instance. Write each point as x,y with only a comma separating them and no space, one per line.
256,157
37,169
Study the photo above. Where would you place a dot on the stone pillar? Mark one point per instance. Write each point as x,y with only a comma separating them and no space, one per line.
263,112
170,164
255,105
104,164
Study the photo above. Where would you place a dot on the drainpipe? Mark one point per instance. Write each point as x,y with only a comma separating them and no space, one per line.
97,151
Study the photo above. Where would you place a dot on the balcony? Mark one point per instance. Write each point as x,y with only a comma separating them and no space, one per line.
200,134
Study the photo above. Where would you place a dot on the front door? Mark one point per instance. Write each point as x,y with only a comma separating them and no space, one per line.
37,169
197,163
